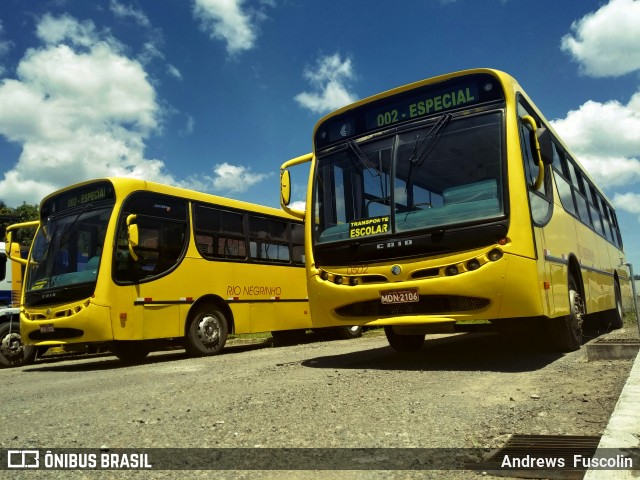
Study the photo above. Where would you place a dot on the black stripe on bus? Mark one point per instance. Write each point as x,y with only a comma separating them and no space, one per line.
181,302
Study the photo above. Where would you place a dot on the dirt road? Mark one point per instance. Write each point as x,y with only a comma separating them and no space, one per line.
468,391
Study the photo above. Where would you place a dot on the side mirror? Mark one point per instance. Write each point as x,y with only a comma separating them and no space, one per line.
285,188
285,184
546,145
535,148
133,236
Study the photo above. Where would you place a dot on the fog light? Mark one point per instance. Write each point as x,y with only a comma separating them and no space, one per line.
338,279
494,255
473,264
451,270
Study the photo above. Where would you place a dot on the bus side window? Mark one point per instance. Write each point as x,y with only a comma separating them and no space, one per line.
268,239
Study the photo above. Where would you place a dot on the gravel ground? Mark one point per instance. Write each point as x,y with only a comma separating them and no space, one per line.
468,391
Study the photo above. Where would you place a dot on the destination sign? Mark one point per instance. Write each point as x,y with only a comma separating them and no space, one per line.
420,106
78,197
458,93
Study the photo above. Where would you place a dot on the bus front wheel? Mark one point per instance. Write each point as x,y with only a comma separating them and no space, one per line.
207,331
14,353
403,343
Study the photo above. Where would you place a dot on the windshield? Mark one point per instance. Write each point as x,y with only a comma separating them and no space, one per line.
445,173
66,253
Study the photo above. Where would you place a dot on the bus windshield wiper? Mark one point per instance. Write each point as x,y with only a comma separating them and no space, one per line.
420,152
360,155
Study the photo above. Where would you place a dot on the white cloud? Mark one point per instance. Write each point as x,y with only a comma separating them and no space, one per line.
54,30
606,139
606,43
226,20
628,201
234,178
329,80
5,46
174,72
80,110
122,11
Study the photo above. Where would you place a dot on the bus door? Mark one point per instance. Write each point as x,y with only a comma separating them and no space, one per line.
537,158
157,240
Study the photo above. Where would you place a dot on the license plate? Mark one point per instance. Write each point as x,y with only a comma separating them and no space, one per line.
400,296
48,328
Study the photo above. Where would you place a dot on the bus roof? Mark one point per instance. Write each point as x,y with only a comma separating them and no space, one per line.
124,186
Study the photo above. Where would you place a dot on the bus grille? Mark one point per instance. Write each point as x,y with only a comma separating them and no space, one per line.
428,305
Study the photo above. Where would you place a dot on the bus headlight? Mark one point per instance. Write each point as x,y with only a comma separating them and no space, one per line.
473,264
451,270
324,275
494,255
338,279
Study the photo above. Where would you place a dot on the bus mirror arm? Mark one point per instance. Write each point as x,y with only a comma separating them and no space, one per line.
133,237
535,147
10,240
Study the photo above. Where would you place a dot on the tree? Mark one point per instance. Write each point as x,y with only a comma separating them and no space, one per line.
23,213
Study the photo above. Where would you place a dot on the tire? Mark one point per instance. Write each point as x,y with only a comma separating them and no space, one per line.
130,352
567,330
346,333
14,353
207,331
404,343
615,318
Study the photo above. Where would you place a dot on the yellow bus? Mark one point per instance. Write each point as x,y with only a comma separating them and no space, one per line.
136,265
450,201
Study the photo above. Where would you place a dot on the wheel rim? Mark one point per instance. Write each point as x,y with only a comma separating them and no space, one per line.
619,302
209,330
577,312
11,346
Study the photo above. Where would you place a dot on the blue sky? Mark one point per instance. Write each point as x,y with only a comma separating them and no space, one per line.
215,94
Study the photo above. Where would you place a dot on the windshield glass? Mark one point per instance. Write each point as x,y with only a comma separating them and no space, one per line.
445,173
66,250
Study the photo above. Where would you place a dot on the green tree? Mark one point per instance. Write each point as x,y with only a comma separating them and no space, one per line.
23,213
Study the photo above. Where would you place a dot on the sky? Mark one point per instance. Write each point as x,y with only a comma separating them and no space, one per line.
215,95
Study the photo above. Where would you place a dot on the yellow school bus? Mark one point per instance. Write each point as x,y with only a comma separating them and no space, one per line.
135,265
449,201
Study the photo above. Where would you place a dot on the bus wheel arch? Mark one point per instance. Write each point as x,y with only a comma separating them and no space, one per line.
208,323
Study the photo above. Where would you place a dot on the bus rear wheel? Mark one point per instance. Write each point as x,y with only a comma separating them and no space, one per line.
616,316
567,331
403,343
207,331
14,353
